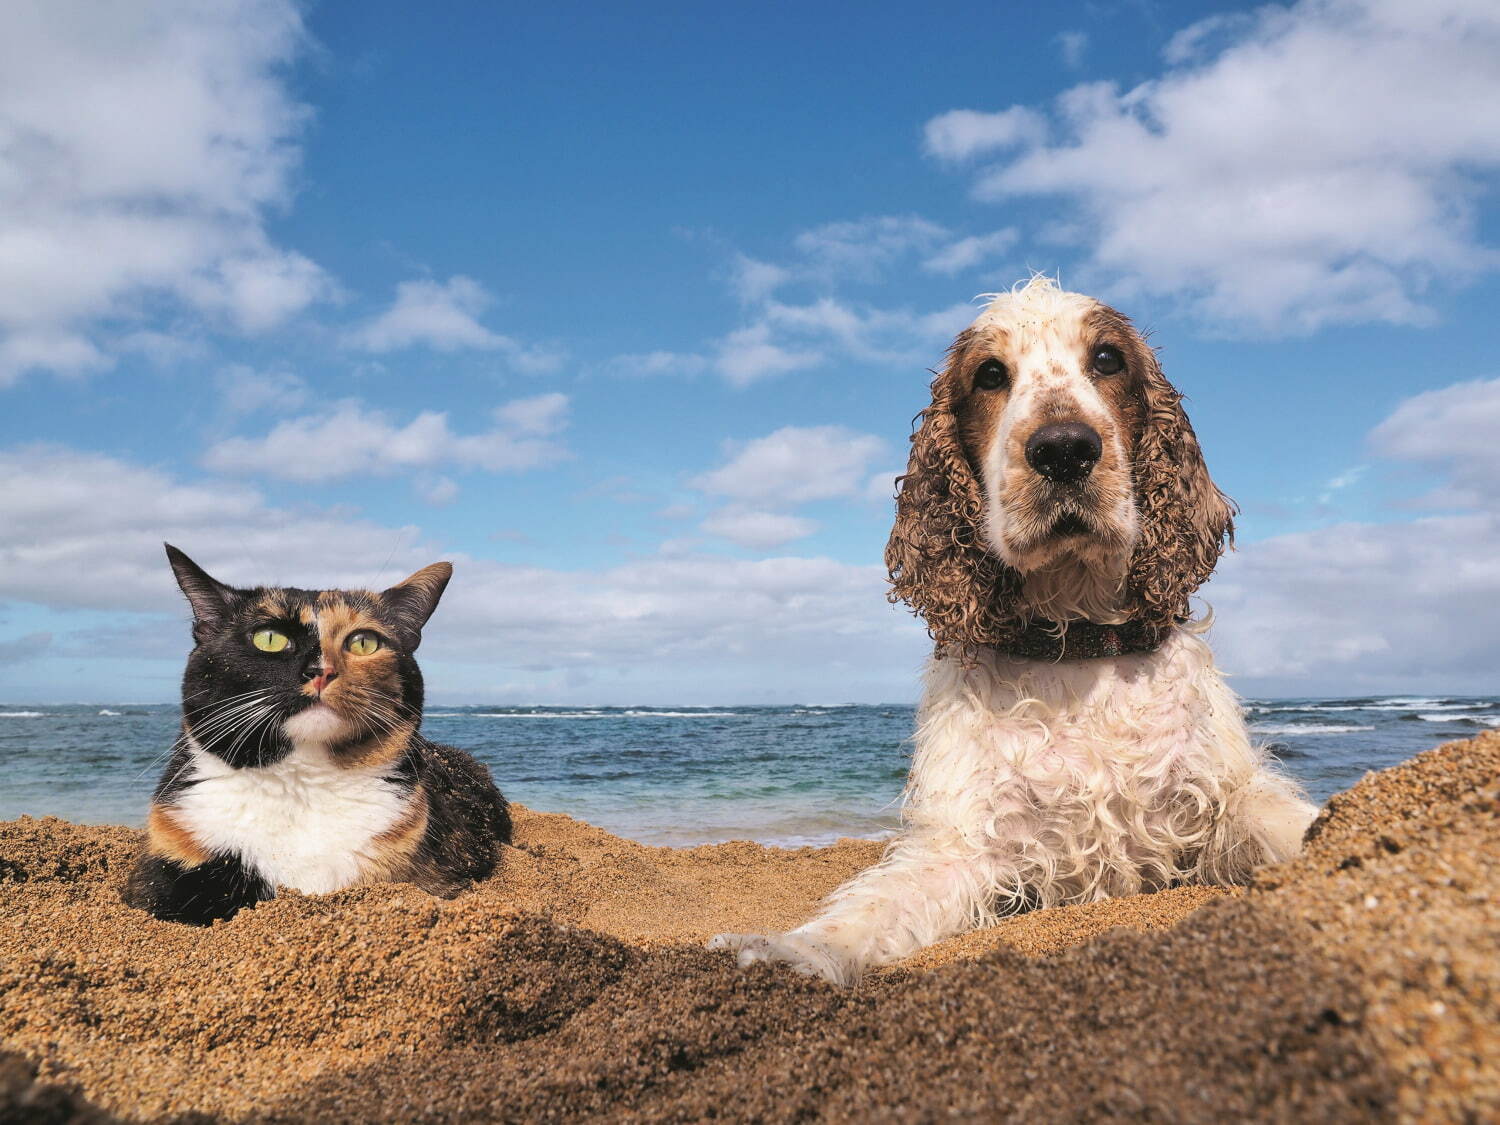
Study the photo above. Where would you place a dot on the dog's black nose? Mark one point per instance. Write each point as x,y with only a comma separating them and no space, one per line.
1064,451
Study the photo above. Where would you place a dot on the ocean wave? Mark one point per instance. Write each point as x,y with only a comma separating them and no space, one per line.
585,714
686,714
1305,728
107,711
1462,720
24,714
1387,711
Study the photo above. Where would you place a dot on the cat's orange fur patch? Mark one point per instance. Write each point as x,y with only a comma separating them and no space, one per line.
170,840
390,854
381,749
273,606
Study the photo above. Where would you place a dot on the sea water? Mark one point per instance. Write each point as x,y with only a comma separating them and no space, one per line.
683,775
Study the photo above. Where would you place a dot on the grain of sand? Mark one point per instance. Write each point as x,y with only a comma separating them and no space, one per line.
1360,982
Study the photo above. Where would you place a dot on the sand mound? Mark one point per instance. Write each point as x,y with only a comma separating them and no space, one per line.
1360,982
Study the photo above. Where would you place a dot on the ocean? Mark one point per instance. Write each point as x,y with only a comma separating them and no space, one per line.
683,775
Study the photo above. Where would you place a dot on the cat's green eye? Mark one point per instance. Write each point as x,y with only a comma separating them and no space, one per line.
362,643
269,640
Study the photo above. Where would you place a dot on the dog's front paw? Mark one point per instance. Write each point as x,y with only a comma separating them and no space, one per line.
804,954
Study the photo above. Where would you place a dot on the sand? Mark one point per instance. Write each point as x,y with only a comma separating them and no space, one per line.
1360,982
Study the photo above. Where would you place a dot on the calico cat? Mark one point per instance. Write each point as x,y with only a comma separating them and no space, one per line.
300,763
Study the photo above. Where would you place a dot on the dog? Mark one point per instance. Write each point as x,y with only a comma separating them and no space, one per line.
1074,741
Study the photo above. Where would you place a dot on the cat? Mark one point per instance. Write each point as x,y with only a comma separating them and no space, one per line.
300,764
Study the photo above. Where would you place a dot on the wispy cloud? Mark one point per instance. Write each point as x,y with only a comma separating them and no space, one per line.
352,439
1410,606
1451,431
1071,45
1273,176
678,626
798,317
758,530
244,390
155,139
763,480
444,316
794,465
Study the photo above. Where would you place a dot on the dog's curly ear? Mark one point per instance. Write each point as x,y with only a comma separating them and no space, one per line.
1186,522
936,557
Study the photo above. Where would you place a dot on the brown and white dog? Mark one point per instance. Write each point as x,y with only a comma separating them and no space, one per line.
1075,740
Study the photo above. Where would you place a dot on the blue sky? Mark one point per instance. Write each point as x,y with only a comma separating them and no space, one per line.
627,312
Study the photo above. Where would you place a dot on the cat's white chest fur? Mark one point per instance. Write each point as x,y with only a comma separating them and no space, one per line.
304,822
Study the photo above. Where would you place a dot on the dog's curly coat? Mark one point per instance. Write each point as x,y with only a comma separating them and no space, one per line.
1038,782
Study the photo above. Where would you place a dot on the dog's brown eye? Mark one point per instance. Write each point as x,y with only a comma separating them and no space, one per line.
1107,360
991,376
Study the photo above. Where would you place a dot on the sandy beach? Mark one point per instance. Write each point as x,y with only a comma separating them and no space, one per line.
1359,982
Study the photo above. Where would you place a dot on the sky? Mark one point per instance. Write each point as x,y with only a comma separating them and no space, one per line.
626,311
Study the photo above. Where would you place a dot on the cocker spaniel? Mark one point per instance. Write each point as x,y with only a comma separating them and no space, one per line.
1074,741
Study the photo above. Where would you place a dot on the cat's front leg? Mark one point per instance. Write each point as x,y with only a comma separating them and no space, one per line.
196,893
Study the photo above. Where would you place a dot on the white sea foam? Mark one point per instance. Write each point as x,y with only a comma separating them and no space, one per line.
23,714
1386,705
686,714
586,714
107,711
1308,728
539,714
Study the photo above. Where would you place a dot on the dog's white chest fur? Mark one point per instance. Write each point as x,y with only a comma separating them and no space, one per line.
1042,784
304,822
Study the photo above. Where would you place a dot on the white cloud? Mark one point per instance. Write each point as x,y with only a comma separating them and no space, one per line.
352,439
881,487
437,491
141,149
260,291
539,414
815,325
965,253
795,337
754,280
1071,45
85,532
657,363
1453,430
245,390
1300,166
795,465
961,134
1364,607
758,530
862,249
749,354
445,316
162,348
785,335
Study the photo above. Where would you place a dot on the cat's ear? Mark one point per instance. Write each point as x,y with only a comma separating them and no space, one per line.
209,597
411,602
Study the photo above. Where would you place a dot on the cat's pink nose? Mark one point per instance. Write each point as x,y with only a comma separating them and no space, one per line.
323,679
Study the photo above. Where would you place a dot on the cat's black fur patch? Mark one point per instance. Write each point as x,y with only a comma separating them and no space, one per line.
197,895
238,697
466,814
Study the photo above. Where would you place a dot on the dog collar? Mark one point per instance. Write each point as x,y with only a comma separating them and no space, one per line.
1081,640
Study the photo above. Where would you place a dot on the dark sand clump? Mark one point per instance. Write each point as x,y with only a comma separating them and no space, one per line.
1360,982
